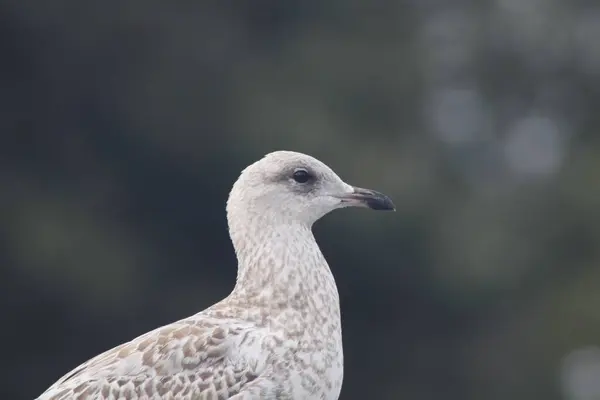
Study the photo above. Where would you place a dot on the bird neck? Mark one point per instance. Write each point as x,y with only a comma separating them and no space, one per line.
280,266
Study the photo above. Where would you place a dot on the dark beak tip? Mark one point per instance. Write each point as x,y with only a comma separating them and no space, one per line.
381,204
374,200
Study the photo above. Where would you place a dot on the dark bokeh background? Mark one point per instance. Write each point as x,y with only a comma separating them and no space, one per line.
124,124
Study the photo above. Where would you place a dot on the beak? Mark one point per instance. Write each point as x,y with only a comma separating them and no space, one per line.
368,198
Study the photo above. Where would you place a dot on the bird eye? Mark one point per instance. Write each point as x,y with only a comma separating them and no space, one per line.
301,175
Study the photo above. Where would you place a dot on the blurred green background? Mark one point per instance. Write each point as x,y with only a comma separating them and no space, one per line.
124,124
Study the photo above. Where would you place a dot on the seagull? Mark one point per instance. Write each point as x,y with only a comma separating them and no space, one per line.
278,333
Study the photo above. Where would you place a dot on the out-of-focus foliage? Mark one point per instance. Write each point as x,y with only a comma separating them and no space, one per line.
124,123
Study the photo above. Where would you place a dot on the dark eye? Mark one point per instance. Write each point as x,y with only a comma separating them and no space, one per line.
301,175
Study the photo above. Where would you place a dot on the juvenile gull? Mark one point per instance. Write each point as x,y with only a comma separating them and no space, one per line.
277,335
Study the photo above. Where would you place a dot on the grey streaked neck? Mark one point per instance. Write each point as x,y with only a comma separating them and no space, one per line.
280,266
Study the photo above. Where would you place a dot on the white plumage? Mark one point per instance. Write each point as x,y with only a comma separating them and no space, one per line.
277,335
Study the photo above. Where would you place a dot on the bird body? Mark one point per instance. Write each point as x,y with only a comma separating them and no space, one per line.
277,335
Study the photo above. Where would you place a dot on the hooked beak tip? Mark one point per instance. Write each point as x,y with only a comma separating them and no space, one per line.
369,198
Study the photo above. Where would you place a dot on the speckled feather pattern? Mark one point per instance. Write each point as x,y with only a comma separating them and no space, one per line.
276,336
